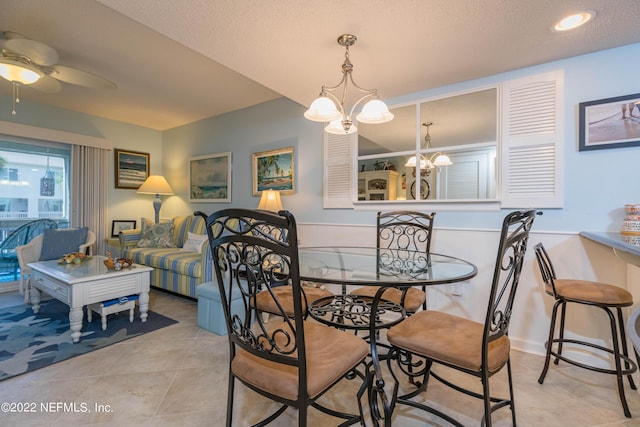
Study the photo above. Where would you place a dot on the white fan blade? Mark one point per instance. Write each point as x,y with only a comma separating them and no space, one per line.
80,78
47,84
37,52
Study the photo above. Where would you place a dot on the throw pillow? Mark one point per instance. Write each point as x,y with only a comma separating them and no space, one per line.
145,222
157,235
58,242
194,242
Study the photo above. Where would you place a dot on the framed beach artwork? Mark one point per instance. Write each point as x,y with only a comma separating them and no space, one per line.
210,178
274,170
609,123
132,168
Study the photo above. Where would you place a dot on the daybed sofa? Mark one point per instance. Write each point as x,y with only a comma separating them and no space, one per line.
177,269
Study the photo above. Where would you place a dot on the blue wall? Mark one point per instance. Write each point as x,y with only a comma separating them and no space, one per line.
597,183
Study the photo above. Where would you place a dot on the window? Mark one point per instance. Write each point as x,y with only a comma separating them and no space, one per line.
25,171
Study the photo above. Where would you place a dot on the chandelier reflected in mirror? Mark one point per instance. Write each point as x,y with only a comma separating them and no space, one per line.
329,108
436,160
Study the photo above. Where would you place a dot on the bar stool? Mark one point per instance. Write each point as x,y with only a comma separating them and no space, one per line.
609,298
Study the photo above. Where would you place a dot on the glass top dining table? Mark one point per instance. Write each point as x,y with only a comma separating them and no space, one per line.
381,267
384,268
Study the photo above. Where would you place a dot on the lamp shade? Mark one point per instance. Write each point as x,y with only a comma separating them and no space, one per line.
375,112
323,109
18,72
412,162
335,127
270,201
156,184
442,160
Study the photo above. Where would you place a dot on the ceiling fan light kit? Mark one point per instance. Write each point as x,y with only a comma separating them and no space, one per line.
17,72
329,108
24,61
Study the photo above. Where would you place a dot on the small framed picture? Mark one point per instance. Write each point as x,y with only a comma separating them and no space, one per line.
274,170
609,123
210,178
132,168
119,225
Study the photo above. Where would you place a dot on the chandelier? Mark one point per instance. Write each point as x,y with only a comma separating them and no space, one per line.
436,160
329,108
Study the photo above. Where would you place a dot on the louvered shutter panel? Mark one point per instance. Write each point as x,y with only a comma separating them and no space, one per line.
531,142
338,171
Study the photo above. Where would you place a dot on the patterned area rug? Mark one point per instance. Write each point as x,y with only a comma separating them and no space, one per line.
31,341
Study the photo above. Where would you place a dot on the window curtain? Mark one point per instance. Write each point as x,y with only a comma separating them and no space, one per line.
89,192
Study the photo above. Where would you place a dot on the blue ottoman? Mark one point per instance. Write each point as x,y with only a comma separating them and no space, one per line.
210,312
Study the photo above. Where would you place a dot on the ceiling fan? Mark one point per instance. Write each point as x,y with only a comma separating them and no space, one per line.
30,62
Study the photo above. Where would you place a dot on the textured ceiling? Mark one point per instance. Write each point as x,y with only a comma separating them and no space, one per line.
172,60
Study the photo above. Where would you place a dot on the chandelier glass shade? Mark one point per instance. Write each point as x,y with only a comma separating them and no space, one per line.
329,108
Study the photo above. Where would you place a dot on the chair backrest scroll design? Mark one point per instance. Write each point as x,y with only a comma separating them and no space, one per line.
253,250
511,251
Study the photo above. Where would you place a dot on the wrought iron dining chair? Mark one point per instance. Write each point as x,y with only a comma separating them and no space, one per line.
480,349
403,230
607,297
292,362
21,236
265,303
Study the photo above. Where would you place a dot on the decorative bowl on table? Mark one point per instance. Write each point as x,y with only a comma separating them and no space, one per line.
117,264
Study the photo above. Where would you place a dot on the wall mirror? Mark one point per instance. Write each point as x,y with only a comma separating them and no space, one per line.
464,127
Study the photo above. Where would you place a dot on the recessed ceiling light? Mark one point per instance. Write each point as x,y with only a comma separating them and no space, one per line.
573,21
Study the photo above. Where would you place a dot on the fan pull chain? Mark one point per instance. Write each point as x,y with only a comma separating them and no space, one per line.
16,98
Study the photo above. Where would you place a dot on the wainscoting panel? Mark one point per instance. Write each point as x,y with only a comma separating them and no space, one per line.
572,256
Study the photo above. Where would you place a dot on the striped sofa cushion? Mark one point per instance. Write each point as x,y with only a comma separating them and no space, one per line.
181,224
186,263
198,225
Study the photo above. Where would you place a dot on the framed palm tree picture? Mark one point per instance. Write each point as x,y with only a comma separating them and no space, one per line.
274,170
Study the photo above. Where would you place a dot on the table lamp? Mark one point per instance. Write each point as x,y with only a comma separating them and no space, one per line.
270,201
158,185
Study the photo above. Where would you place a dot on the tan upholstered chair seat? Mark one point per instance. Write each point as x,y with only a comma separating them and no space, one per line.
448,339
591,292
412,302
265,301
331,353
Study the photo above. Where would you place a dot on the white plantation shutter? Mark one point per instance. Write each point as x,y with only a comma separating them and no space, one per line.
338,171
531,154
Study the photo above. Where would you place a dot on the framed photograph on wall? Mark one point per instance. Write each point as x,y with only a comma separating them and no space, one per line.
118,225
132,168
210,178
274,170
609,123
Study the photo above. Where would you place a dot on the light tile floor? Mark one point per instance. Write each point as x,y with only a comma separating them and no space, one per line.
177,376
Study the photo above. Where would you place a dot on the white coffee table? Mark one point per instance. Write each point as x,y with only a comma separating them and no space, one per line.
87,283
